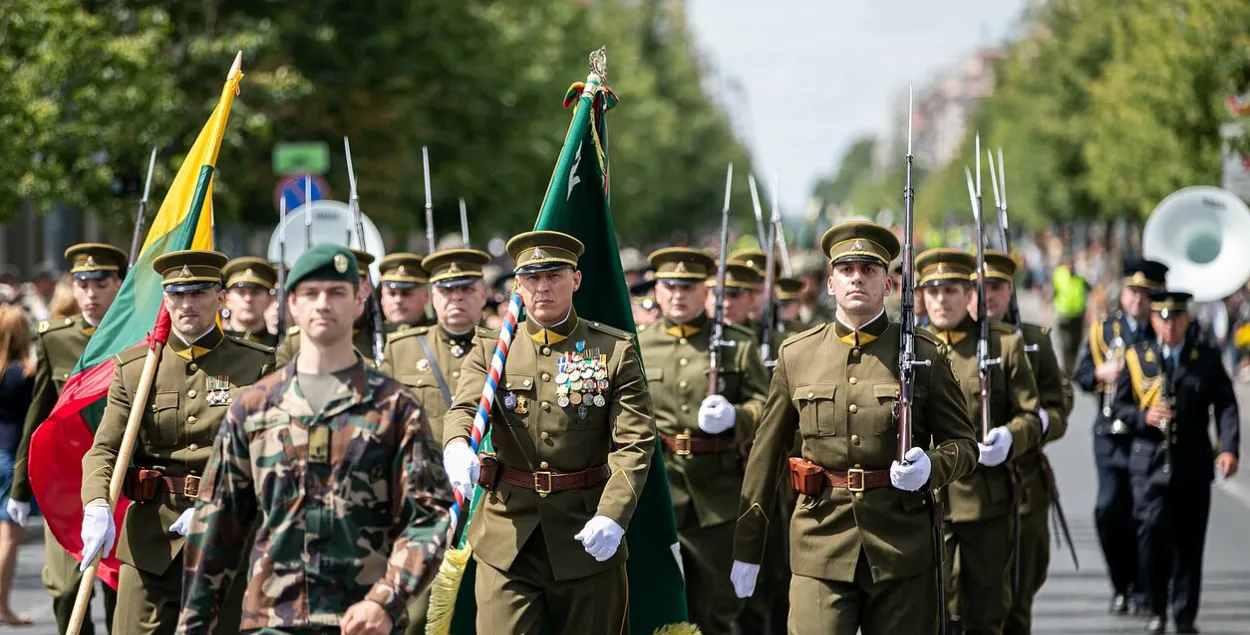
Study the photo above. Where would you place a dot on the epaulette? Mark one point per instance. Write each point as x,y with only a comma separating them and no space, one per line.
294,330
408,332
48,326
250,344
1003,327
130,355
614,332
486,332
805,334
926,334
740,330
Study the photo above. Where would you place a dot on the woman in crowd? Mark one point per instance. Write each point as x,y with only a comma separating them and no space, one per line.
16,384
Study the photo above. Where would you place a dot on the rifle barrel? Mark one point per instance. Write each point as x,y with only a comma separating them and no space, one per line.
718,319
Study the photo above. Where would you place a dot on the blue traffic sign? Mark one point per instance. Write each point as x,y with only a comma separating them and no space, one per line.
299,189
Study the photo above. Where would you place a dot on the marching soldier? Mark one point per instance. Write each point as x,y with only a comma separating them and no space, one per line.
1101,363
97,272
250,284
980,531
573,436
362,331
1172,386
1036,478
642,302
701,443
321,454
199,372
789,292
404,291
862,536
740,297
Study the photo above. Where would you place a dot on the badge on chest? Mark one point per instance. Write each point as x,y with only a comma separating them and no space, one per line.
218,393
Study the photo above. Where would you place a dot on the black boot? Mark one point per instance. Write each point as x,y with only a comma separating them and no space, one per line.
1157,624
1119,604
1186,627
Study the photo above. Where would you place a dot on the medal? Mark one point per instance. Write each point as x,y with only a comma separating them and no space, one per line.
509,401
457,351
588,372
563,401
581,411
423,365
600,401
603,384
522,405
575,398
561,378
601,374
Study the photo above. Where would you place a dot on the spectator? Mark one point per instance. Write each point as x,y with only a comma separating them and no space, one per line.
16,385
63,304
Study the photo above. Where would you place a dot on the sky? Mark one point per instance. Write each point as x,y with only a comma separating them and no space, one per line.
813,75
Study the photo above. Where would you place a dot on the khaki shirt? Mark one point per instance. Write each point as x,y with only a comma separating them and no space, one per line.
406,361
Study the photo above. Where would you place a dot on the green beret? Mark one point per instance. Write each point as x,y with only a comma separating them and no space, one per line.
324,262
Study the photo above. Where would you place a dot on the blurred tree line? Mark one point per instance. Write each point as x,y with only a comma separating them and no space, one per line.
93,85
1102,110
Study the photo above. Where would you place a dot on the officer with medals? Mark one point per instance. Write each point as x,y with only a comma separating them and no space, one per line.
703,435
1036,478
199,371
96,272
250,284
573,432
404,292
362,331
1174,383
1101,363
980,531
861,538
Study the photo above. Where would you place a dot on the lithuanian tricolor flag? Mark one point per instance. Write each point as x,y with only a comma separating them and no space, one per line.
136,318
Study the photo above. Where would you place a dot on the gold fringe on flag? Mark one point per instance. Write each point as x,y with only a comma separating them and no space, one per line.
685,628
446,587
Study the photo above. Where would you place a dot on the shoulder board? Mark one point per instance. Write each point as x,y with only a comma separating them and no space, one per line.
486,331
1003,327
408,332
293,330
925,334
642,328
250,344
49,326
739,329
604,328
804,335
132,355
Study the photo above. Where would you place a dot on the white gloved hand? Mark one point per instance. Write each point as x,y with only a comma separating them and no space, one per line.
462,467
182,526
1045,421
98,532
743,577
716,414
600,537
997,447
19,512
912,475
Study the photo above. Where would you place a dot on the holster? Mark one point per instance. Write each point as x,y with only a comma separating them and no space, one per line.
141,485
806,477
488,473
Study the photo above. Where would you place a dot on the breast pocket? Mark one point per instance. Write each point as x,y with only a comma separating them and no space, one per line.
516,400
885,419
164,428
426,389
817,409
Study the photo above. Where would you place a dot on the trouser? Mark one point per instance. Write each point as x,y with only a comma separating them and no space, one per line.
1034,560
61,578
1072,330
825,607
148,604
520,600
707,556
418,608
1171,536
1113,517
980,554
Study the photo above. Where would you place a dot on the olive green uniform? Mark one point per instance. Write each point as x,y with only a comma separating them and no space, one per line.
704,471
60,344
193,389
260,336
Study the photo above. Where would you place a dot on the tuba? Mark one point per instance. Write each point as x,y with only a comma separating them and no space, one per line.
1201,234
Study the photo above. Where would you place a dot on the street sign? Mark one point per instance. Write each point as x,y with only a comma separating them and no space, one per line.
296,190
310,157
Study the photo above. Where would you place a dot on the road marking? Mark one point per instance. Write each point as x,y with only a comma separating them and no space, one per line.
1238,490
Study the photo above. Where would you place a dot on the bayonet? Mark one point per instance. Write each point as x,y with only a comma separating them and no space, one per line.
429,200
372,308
464,224
759,212
907,361
136,241
718,318
307,213
984,362
786,269
281,268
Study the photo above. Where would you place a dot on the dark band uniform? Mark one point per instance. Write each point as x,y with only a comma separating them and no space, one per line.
1171,474
861,551
257,273
406,271
1109,337
362,331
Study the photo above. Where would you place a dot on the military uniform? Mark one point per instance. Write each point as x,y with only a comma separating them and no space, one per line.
573,435
362,330
404,271
862,552
258,273
1108,339
980,529
704,470
193,388
1171,472
60,344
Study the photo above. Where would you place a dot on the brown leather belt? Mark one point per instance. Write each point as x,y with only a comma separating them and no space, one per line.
858,480
809,478
683,444
142,485
548,481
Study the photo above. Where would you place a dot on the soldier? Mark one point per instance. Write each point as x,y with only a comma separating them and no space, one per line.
362,331
789,292
862,537
758,261
813,270
404,292
642,302
1101,362
702,444
980,531
1036,478
97,272
199,371
573,434
740,297
250,284
1172,386
633,265
335,461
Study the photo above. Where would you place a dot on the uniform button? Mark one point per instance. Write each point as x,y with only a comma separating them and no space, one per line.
543,465
855,352
854,408
1137,447
546,350
853,381
455,373
546,376
546,405
420,382
682,362
64,375
858,465
681,340
191,393
859,496
526,383
193,367
69,321
1167,468
192,419
685,407
683,383
544,436
193,447
810,395
855,439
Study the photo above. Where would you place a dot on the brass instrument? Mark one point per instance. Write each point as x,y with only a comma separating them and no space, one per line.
1115,352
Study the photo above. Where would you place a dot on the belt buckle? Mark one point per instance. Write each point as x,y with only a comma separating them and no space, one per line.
191,486
681,444
850,479
538,482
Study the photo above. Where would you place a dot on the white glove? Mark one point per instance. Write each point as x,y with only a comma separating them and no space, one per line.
19,512
182,526
462,466
1045,421
716,415
912,475
98,532
600,537
743,577
996,448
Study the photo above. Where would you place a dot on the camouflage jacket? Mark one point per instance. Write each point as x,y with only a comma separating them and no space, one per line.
347,504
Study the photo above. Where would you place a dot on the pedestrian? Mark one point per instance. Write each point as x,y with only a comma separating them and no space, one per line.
17,384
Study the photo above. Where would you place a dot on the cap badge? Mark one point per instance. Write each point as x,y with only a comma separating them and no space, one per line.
249,273
340,263
186,272
858,246
538,253
455,268
680,268
90,261
401,271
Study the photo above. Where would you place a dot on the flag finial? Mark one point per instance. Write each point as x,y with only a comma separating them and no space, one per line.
599,63
236,66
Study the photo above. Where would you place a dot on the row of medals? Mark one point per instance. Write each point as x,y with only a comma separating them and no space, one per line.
582,380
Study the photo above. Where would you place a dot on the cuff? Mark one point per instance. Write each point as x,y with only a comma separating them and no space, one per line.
1045,421
393,603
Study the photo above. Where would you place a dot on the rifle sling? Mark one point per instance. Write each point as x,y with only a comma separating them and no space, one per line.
438,372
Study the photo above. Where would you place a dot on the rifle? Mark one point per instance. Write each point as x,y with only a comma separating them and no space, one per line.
136,241
372,308
718,319
768,314
281,269
786,269
429,200
907,361
464,224
984,362
308,213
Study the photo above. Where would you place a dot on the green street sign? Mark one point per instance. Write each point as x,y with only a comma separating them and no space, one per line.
310,157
